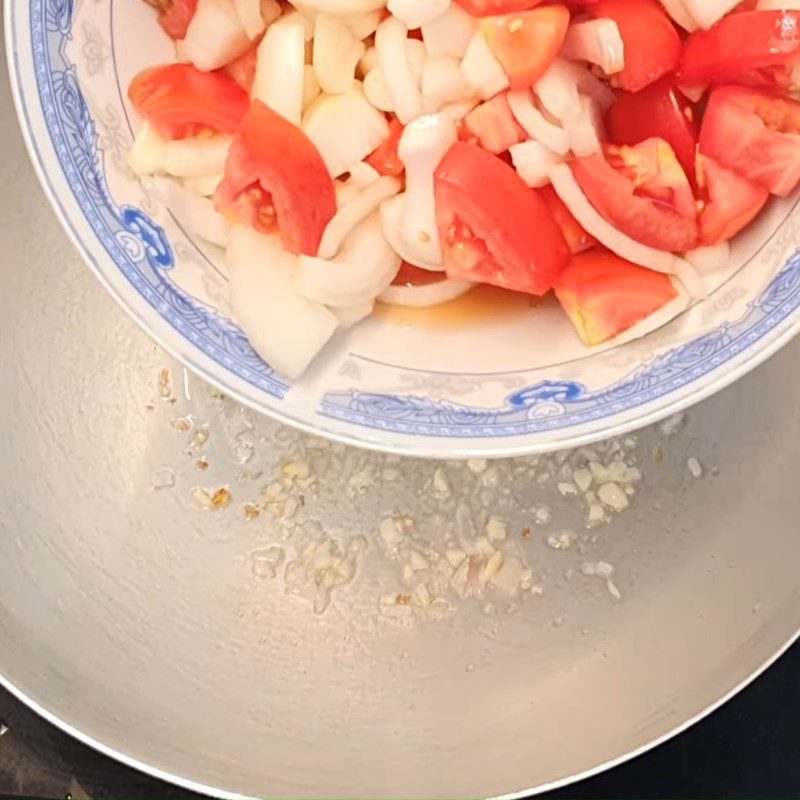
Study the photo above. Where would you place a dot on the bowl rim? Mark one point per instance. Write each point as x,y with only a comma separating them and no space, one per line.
330,421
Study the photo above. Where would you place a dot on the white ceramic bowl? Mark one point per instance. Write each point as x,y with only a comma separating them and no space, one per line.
508,383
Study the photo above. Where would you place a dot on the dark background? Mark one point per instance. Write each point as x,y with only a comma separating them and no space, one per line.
749,748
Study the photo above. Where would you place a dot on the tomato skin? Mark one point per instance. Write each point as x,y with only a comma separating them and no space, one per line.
652,44
179,100
647,220
273,165
753,48
756,134
493,125
577,238
488,8
243,68
729,202
605,295
494,229
385,158
526,43
175,15
661,111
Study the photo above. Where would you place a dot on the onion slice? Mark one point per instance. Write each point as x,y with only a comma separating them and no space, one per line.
428,294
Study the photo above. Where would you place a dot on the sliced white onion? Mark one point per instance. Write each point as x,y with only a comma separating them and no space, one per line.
376,91
352,213
482,71
693,93
677,10
215,36
349,316
391,223
393,59
532,161
429,294
535,125
195,213
585,132
422,146
195,157
279,78
459,110
713,264
205,185
362,24
148,151
311,87
415,13
364,267
708,12
284,328
590,85
341,7
367,62
557,91
363,175
303,18
335,55
249,13
597,41
443,82
450,33
345,129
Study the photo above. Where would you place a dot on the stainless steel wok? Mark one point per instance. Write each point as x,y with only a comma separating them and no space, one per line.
131,616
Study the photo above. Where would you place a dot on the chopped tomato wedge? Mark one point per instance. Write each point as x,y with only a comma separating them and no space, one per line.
577,238
385,158
605,295
661,111
756,48
494,229
174,16
243,69
276,178
179,100
728,201
526,42
493,125
756,134
655,172
646,196
487,8
652,45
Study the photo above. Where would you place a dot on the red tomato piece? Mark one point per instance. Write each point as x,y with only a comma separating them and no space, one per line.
274,176
174,16
755,48
487,8
728,201
243,68
179,101
494,229
654,206
493,125
652,45
605,295
577,238
654,170
526,43
385,158
659,110
756,134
